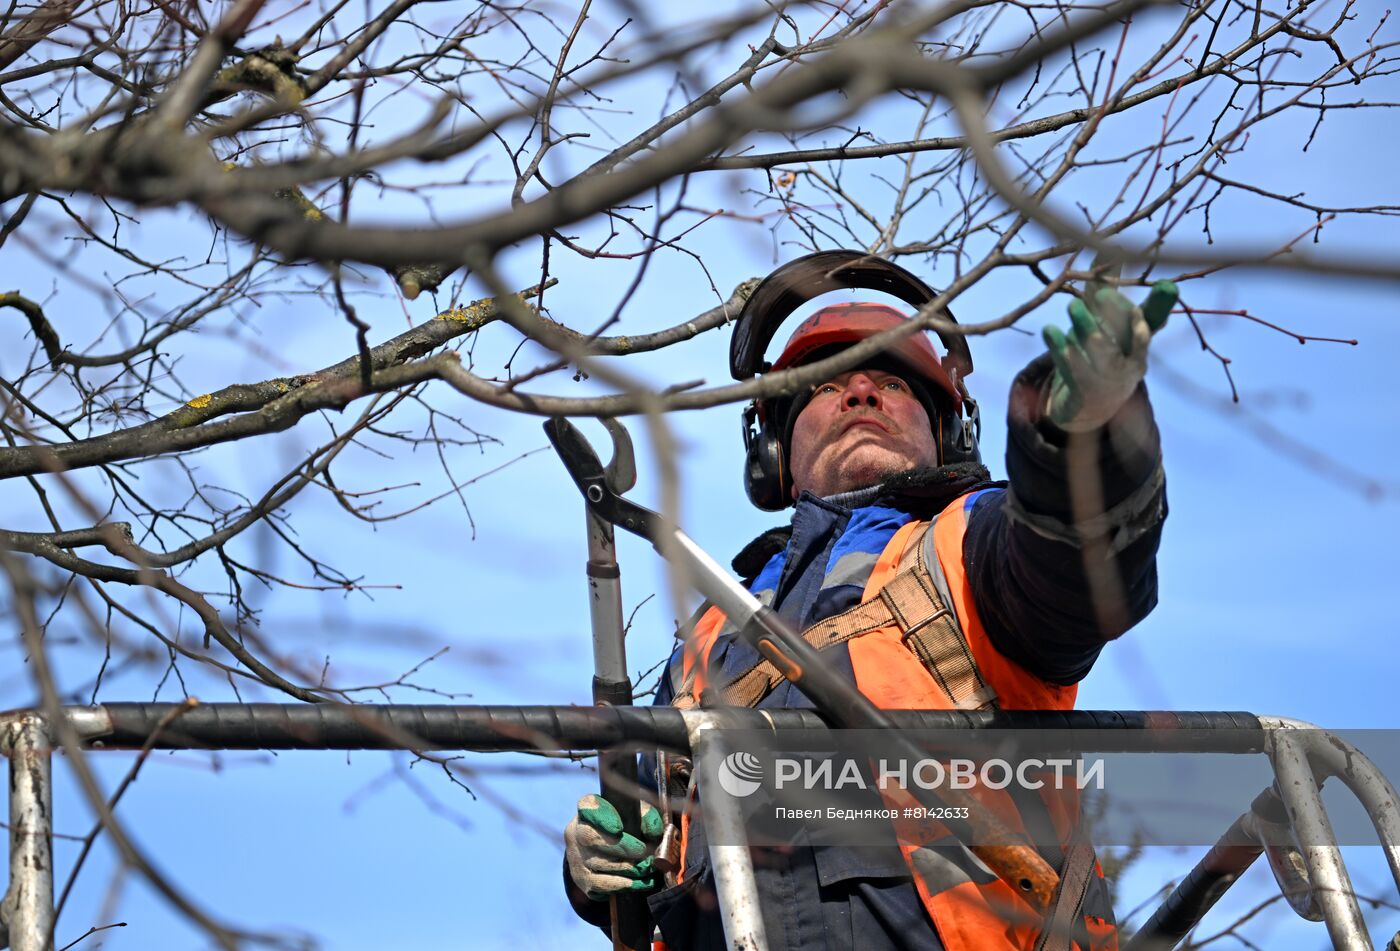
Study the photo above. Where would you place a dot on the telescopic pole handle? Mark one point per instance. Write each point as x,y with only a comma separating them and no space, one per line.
617,769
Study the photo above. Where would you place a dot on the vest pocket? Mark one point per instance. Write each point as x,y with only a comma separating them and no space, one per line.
841,863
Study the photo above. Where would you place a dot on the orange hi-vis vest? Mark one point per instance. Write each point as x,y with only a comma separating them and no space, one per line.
970,907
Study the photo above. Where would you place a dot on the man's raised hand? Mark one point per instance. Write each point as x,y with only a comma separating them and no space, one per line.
1104,356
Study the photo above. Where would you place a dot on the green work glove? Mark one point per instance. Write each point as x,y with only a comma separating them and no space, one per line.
605,861
1104,357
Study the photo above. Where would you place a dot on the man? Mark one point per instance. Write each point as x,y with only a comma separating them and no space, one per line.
1039,573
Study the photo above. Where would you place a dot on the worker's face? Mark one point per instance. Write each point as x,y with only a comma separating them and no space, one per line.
859,429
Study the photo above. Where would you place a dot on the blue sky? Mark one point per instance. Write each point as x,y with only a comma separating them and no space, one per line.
1276,576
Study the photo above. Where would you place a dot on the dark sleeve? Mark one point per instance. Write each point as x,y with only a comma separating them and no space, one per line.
1065,560
594,912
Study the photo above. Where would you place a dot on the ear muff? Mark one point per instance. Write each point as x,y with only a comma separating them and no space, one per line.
766,477
958,434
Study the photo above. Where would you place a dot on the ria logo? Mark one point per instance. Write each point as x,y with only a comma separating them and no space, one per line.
740,774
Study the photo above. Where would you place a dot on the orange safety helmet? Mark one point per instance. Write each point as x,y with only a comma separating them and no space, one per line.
831,327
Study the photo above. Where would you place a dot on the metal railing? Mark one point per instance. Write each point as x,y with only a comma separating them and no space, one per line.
1312,875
